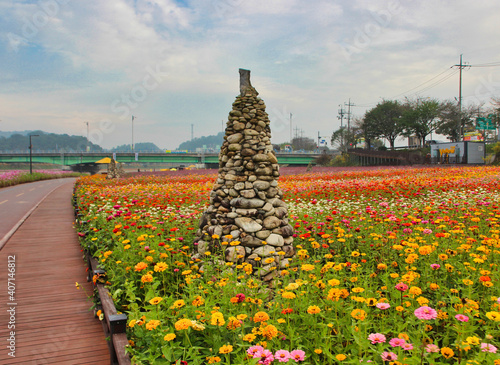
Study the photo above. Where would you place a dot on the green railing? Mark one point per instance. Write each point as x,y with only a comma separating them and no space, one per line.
66,159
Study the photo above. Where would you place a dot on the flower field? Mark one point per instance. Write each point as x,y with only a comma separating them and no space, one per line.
395,266
14,177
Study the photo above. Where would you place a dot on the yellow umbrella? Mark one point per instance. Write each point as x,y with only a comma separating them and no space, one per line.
104,160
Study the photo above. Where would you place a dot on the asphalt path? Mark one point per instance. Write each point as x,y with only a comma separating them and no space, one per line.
19,201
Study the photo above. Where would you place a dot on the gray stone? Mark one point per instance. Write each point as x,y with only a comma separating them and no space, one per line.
260,158
247,224
246,212
239,186
287,231
289,250
269,277
233,252
271,222
249,194
264,251
281,212
266,269
246,203
261,185
250,132
238,126
271,192
234,147
284,263
251,241
270,213
262,234
202,247
275,240
235,138
267,207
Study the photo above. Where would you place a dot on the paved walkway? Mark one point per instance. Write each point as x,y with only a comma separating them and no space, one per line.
44,317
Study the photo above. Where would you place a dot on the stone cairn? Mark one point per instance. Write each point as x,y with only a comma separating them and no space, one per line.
115,170
246,209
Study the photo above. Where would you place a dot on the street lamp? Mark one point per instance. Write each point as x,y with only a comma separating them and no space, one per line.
88,143
31,149
132,146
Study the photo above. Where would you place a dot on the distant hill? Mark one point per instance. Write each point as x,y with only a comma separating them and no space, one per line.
208,142
19,141
138,147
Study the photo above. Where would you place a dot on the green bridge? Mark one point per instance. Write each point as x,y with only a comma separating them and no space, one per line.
186,159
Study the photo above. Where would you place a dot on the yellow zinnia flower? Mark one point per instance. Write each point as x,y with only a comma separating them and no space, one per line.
226,349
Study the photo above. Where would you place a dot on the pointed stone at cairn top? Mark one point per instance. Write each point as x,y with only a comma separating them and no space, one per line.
245,83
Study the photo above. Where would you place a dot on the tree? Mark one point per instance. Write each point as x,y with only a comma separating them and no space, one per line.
369,132
212,142
138,147
303,143
448,123
384,121
420,118
342,139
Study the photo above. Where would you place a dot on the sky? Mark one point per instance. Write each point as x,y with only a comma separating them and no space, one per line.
162,71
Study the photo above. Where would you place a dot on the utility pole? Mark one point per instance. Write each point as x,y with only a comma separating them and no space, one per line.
290,129
341,117
349,115
192,131
461,66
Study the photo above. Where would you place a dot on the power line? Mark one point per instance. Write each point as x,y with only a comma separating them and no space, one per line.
493,64
423,83
441,80
438,81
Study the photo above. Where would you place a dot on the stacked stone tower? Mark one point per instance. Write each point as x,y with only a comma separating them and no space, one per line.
246,208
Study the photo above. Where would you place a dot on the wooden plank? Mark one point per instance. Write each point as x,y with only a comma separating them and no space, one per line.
54,323
120,341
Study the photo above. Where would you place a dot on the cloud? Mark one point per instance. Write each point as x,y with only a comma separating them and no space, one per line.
95,61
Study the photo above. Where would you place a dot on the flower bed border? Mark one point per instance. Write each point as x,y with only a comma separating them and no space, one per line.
113,324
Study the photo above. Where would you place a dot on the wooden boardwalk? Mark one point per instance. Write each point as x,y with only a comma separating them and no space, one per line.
53,321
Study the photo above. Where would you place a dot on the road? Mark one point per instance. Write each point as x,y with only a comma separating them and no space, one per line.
17,202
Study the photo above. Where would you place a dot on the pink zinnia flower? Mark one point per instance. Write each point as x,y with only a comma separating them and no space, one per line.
435,266
462,318
389,356
282,355
407,346
425,312
297,355
396,342
383,306
254,349
401,287
376,338
266,357
432,348
427,231
486,347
